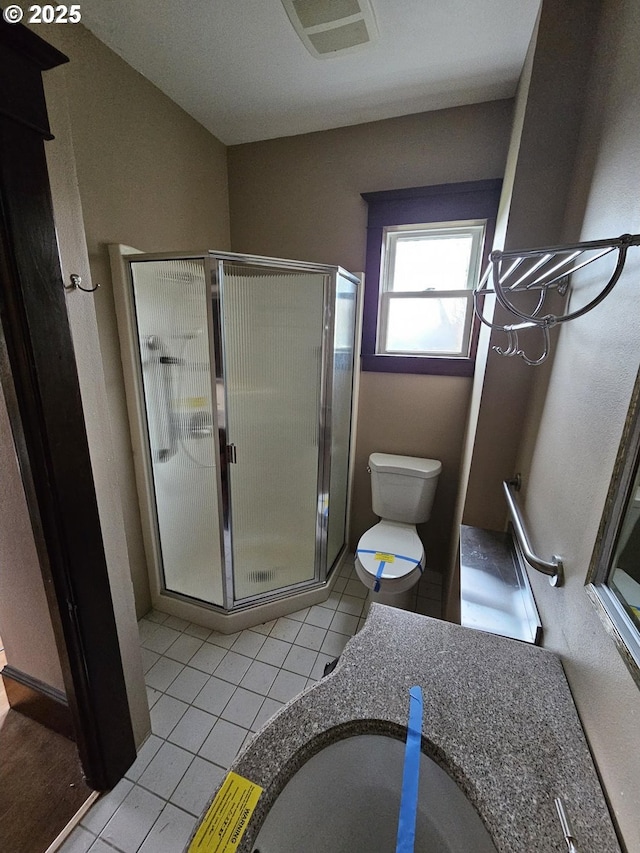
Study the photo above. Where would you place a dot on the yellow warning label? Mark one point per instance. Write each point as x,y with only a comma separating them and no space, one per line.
384,558
224,824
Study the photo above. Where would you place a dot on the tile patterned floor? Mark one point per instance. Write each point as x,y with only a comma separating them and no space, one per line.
208,694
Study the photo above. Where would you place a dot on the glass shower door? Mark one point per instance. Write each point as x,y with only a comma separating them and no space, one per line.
273,349
170,301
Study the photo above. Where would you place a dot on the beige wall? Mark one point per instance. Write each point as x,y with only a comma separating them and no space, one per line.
541,157
577,418
299,197
25,623
81,309
149,176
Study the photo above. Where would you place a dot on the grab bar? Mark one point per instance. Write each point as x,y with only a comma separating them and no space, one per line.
553,569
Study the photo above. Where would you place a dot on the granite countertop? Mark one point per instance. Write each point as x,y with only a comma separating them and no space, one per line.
498,716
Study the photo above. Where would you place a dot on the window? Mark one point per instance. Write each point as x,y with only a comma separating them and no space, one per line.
427,275
425,251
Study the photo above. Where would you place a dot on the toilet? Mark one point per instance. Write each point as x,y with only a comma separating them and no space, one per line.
390,557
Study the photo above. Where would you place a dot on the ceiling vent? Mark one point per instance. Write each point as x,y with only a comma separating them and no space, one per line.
332,27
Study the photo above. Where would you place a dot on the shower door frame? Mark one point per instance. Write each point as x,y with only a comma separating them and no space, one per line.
214,276
216,279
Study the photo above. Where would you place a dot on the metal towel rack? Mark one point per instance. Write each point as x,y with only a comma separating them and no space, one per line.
554,568
536,272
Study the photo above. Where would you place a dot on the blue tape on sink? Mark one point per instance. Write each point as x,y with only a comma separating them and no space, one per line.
410,775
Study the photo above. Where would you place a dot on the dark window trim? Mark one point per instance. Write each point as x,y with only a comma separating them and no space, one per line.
439,203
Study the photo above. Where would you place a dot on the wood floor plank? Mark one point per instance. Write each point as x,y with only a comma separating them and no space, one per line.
41,784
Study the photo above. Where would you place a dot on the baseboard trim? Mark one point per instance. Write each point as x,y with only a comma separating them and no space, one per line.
38,701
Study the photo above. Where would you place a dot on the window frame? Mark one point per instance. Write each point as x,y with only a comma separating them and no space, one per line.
391,236
445,204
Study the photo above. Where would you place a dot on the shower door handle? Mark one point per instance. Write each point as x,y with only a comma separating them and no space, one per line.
231,453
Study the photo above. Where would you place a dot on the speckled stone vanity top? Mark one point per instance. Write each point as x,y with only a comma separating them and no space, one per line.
498,716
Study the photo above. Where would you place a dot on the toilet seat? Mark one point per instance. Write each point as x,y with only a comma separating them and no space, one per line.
397,540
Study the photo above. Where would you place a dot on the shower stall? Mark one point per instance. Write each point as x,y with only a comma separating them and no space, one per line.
240,402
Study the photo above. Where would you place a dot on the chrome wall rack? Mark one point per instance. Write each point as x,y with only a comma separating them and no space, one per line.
536,272
554,567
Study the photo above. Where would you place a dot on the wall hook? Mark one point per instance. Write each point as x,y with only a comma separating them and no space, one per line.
75,281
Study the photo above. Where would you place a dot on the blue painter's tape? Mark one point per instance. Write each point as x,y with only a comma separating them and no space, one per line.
410,776
376,586
379,574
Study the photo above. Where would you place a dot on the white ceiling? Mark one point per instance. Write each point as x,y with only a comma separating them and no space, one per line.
238,67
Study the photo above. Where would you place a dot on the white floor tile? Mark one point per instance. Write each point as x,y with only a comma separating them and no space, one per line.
233,667
355,588
339,585
148,658
78,842
310,637
184,648
163,673
225,641
426,607
152,696
103,810
177,623
131,823
198,631
197,786
248,643
203,713
214,695
430,590
265,628
299,615
260,676
193,729
100,847
156,616
170,832
222,745
431,576
332,602
350,604
318,668
207,657
145,754
286,686
267,710
273,651
165,770
146,630
344,623
165,714
334,644
161,639
319,616
285,629
242,708
300,660
188,684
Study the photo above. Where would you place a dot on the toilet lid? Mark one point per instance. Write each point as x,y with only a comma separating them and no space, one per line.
397,545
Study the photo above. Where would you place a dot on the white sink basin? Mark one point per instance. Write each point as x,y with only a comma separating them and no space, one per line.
346,798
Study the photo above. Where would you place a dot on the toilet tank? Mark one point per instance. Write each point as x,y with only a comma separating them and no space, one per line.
403,487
